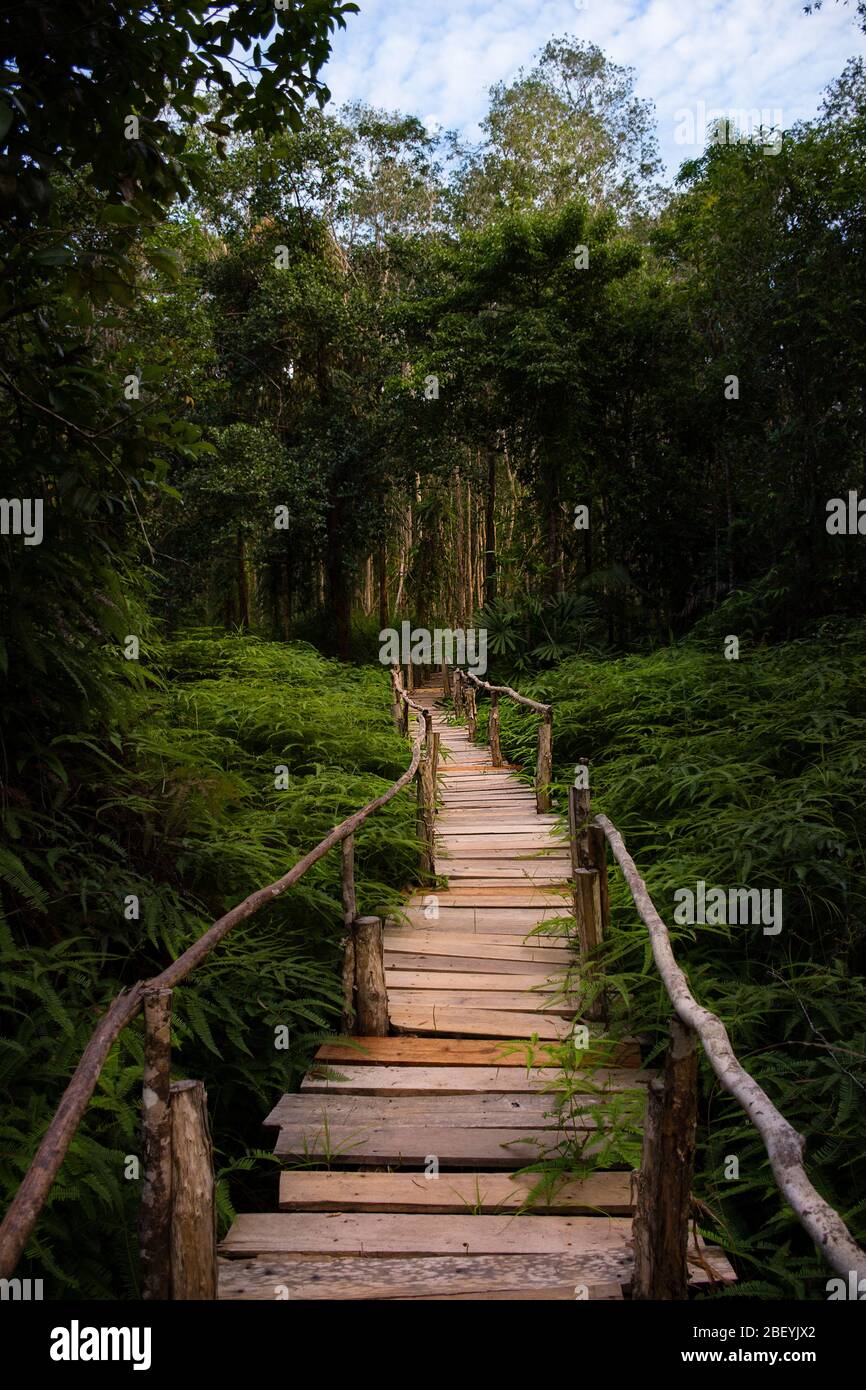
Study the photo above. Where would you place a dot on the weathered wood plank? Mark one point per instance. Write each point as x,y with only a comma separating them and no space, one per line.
477,1023
407,1146
444,966
508,946
524,1278
467,1052
471,980
523,1001
366,1233
432,1279
462,1193
459,1080
498,1110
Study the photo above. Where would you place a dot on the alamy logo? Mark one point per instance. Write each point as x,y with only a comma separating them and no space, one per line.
735,906
430,648
22,516
77,1343
854,1290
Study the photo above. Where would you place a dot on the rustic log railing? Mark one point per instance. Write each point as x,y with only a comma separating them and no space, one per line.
177,1224
464,685
663,1206
784,1146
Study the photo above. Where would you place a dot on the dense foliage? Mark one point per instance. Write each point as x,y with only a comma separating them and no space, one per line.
752,773
184,814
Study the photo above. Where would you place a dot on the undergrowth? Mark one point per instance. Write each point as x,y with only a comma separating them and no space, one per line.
740,773
178,807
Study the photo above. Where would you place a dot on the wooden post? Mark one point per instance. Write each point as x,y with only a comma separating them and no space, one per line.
457,690
193,1205
544,763
578,820
598,860
661,1221
155,1211
396,702
590,897
410,679
426,815
350,911
493,731
446,682
370,992
471,711
434,749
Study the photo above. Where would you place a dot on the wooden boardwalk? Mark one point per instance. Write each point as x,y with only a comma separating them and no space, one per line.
401,1175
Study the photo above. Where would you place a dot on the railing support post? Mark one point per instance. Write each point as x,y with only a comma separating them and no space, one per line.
396,701
471,711
544,763
493,731
155,1211
426,827
446,682
350,911
193,1195
661,1221
371,996
457,689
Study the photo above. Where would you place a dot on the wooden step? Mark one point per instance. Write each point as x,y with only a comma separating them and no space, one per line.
545,951
408,1146
468,1052
449,1278
476,1023
472,980
519,973
459,1081
522,1001
497,1110
397,1233
461,1193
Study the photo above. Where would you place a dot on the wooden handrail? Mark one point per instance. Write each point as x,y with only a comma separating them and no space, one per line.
785,1147
506,690
544,760
26,1205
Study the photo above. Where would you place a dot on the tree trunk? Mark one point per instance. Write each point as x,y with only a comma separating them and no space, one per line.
243,585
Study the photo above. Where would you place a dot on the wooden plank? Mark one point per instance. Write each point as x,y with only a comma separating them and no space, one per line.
526,1278
485,945
444,966
492,872
496,999
461,919
459,1080
368,1233
471,980
496,1110
466,1052
477,1023
439,1278
463,1193
526,845
413,1146
503,895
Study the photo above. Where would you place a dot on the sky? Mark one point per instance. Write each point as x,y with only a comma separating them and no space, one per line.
436,58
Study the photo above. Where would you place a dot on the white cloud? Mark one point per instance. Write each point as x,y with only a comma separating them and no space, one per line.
441,56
